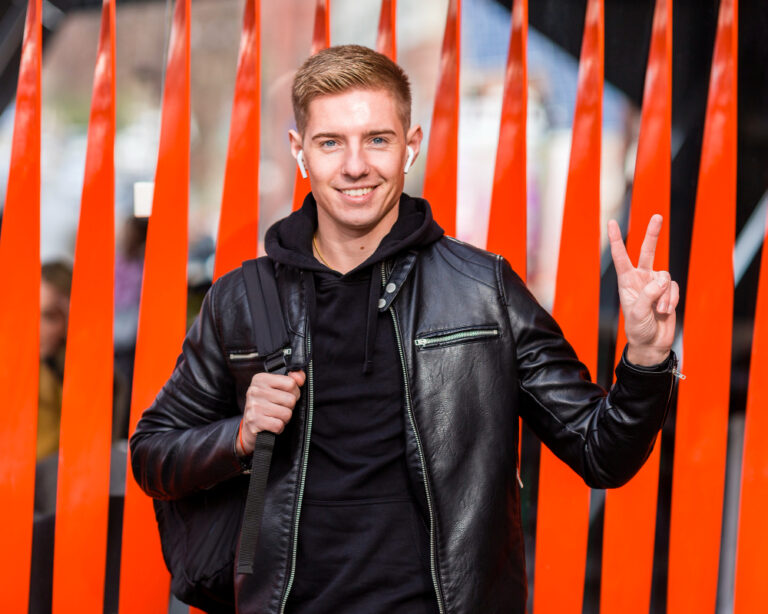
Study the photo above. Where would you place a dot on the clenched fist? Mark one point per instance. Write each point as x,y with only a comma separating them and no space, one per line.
269,403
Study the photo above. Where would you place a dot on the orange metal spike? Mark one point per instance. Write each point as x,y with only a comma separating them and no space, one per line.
751,589
239,222
386,40
563,508
441,177
19,324
701,429
630,512
82,501
321,39
144,581
507,221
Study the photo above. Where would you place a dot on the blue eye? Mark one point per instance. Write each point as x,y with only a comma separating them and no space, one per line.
329,143
377,140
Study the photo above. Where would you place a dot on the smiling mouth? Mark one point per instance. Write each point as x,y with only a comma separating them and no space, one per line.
357,191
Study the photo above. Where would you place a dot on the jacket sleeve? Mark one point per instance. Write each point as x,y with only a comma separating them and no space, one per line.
184,442
604,437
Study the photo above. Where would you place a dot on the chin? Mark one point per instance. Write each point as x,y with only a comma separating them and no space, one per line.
360,225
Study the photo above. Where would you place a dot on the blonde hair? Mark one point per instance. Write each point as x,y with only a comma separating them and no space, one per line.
348,67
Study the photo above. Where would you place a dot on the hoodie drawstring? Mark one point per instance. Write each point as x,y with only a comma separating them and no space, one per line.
372,320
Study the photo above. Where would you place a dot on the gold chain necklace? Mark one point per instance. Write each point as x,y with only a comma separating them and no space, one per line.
319,255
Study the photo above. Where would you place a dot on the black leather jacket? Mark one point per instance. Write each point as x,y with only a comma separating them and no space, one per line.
477,351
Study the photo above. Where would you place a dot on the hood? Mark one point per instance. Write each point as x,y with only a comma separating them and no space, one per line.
289,241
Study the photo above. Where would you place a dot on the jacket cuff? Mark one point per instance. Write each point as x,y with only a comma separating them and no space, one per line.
646,382
667,365
244,461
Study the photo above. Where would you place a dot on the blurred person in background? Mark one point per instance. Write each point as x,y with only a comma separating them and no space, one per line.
55,286
129,269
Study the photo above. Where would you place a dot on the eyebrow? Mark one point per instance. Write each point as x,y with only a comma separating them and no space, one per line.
369,133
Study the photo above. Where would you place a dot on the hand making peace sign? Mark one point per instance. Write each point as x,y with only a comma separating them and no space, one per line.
648,298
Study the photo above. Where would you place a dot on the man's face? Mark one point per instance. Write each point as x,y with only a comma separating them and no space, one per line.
54,308
354,147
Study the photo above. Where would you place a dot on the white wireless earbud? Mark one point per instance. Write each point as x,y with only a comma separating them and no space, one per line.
409,161
300,162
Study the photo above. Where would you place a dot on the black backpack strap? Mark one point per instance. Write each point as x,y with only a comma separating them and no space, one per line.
272,343
272,340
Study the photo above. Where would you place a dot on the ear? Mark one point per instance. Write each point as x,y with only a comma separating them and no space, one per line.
413,140
296,142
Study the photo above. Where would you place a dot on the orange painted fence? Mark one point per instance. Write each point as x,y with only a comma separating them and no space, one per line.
563,501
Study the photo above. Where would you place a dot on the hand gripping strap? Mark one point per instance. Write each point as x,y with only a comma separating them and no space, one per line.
271,342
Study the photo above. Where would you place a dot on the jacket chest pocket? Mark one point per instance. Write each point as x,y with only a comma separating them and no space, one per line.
456,336
243,364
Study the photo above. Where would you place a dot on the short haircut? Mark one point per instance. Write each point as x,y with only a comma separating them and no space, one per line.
59,275
348,67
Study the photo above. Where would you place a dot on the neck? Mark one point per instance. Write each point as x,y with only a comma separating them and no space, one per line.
341,250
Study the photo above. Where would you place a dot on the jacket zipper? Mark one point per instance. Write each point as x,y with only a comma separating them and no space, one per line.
234,356
425,342
303,475
243,356
411,418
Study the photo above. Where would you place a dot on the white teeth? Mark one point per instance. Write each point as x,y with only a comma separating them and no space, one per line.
357,192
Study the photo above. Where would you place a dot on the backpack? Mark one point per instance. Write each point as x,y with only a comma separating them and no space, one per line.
200,533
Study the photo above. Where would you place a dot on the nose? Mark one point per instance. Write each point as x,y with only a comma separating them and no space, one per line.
355,162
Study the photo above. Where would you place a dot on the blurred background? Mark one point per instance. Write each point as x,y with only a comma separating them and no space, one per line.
70,35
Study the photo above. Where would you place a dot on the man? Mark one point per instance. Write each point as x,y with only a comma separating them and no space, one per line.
393,485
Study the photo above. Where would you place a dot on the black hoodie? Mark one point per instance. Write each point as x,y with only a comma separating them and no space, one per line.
363,545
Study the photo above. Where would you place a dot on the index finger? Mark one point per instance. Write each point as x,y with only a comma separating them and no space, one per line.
648,249
275,380
621,261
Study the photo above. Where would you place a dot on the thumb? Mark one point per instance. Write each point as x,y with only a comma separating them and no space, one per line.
298,376
652,292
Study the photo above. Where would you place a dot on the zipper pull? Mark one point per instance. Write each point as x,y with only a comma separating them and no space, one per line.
674,370
519,479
